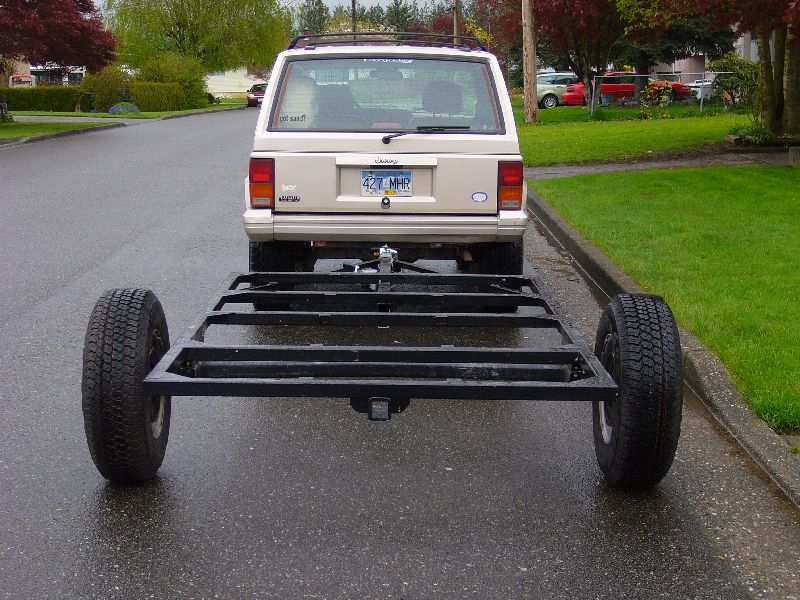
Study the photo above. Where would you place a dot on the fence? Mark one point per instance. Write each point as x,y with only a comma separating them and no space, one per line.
701,82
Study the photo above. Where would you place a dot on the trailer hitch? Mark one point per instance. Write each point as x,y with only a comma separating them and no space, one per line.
386,258
379,408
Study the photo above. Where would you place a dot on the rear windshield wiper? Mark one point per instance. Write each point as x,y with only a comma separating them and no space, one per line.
425,129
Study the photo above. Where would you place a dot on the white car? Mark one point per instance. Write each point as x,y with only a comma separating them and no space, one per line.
386,140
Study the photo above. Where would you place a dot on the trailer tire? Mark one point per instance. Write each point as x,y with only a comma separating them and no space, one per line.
276,257
126,430
499,258
636,434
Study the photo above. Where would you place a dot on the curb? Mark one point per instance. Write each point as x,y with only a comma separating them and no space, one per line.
702,370
202,112
50,136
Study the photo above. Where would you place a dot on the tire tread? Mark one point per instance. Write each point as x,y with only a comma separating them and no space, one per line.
114,366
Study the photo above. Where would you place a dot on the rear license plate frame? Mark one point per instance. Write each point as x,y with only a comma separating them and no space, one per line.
387,182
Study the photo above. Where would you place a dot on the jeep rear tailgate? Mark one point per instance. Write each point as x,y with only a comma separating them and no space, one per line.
386,183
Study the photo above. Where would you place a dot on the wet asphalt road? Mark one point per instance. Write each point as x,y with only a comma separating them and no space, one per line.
305,498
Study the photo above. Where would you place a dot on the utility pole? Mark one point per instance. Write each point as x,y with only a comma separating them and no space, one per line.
529,62
455,19
353,16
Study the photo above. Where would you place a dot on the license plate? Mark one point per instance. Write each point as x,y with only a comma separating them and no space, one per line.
386,182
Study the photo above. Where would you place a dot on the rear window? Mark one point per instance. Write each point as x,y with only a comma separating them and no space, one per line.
385,94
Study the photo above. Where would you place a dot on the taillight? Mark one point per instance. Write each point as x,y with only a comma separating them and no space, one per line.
510,180
570,88
262,182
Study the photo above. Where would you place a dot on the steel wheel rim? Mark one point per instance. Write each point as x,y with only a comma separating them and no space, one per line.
606,407
157,403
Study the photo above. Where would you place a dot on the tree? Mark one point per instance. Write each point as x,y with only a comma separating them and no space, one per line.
683,38
776,24
529,62
341,20
501,19
583,31
222,35
375,14
314,16
400,16
68,33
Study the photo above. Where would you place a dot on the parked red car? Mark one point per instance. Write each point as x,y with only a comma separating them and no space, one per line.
256,94
619,85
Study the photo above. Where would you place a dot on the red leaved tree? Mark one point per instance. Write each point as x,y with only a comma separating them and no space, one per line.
776,25
584,31
502,20
68,33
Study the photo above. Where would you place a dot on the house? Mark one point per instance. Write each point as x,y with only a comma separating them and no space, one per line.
231,84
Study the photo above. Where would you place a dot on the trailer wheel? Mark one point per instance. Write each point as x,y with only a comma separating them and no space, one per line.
499,258
277,257
636,434
280,257
127,431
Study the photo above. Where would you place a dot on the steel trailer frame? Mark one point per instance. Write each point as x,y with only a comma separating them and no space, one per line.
366,298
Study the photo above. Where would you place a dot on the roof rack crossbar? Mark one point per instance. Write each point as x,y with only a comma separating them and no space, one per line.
399,38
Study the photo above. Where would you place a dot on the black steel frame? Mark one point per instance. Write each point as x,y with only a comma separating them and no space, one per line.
564,371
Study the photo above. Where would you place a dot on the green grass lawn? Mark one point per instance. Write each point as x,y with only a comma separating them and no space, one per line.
227,104
579,142
16,130
580,114
569,135
721,245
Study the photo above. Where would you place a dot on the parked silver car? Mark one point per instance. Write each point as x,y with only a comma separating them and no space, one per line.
551,86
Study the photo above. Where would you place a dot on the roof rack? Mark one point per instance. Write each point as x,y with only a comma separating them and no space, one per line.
384,38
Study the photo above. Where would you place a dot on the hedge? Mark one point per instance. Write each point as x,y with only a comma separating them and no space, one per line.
151,96
52,99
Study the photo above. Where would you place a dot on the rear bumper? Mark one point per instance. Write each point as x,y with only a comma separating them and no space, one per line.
264,225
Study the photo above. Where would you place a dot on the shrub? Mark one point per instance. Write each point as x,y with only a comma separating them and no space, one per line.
5,116
53,99
108,87
122,108
738,83
175,68
753,132
655,99
153,96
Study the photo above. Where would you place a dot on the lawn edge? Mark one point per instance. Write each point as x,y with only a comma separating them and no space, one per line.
48,136
702,370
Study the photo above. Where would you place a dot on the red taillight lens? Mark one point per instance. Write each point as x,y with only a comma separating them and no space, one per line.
509,173
262,182
510,180
262,170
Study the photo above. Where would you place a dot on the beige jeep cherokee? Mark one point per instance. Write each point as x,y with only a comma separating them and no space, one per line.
407,141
